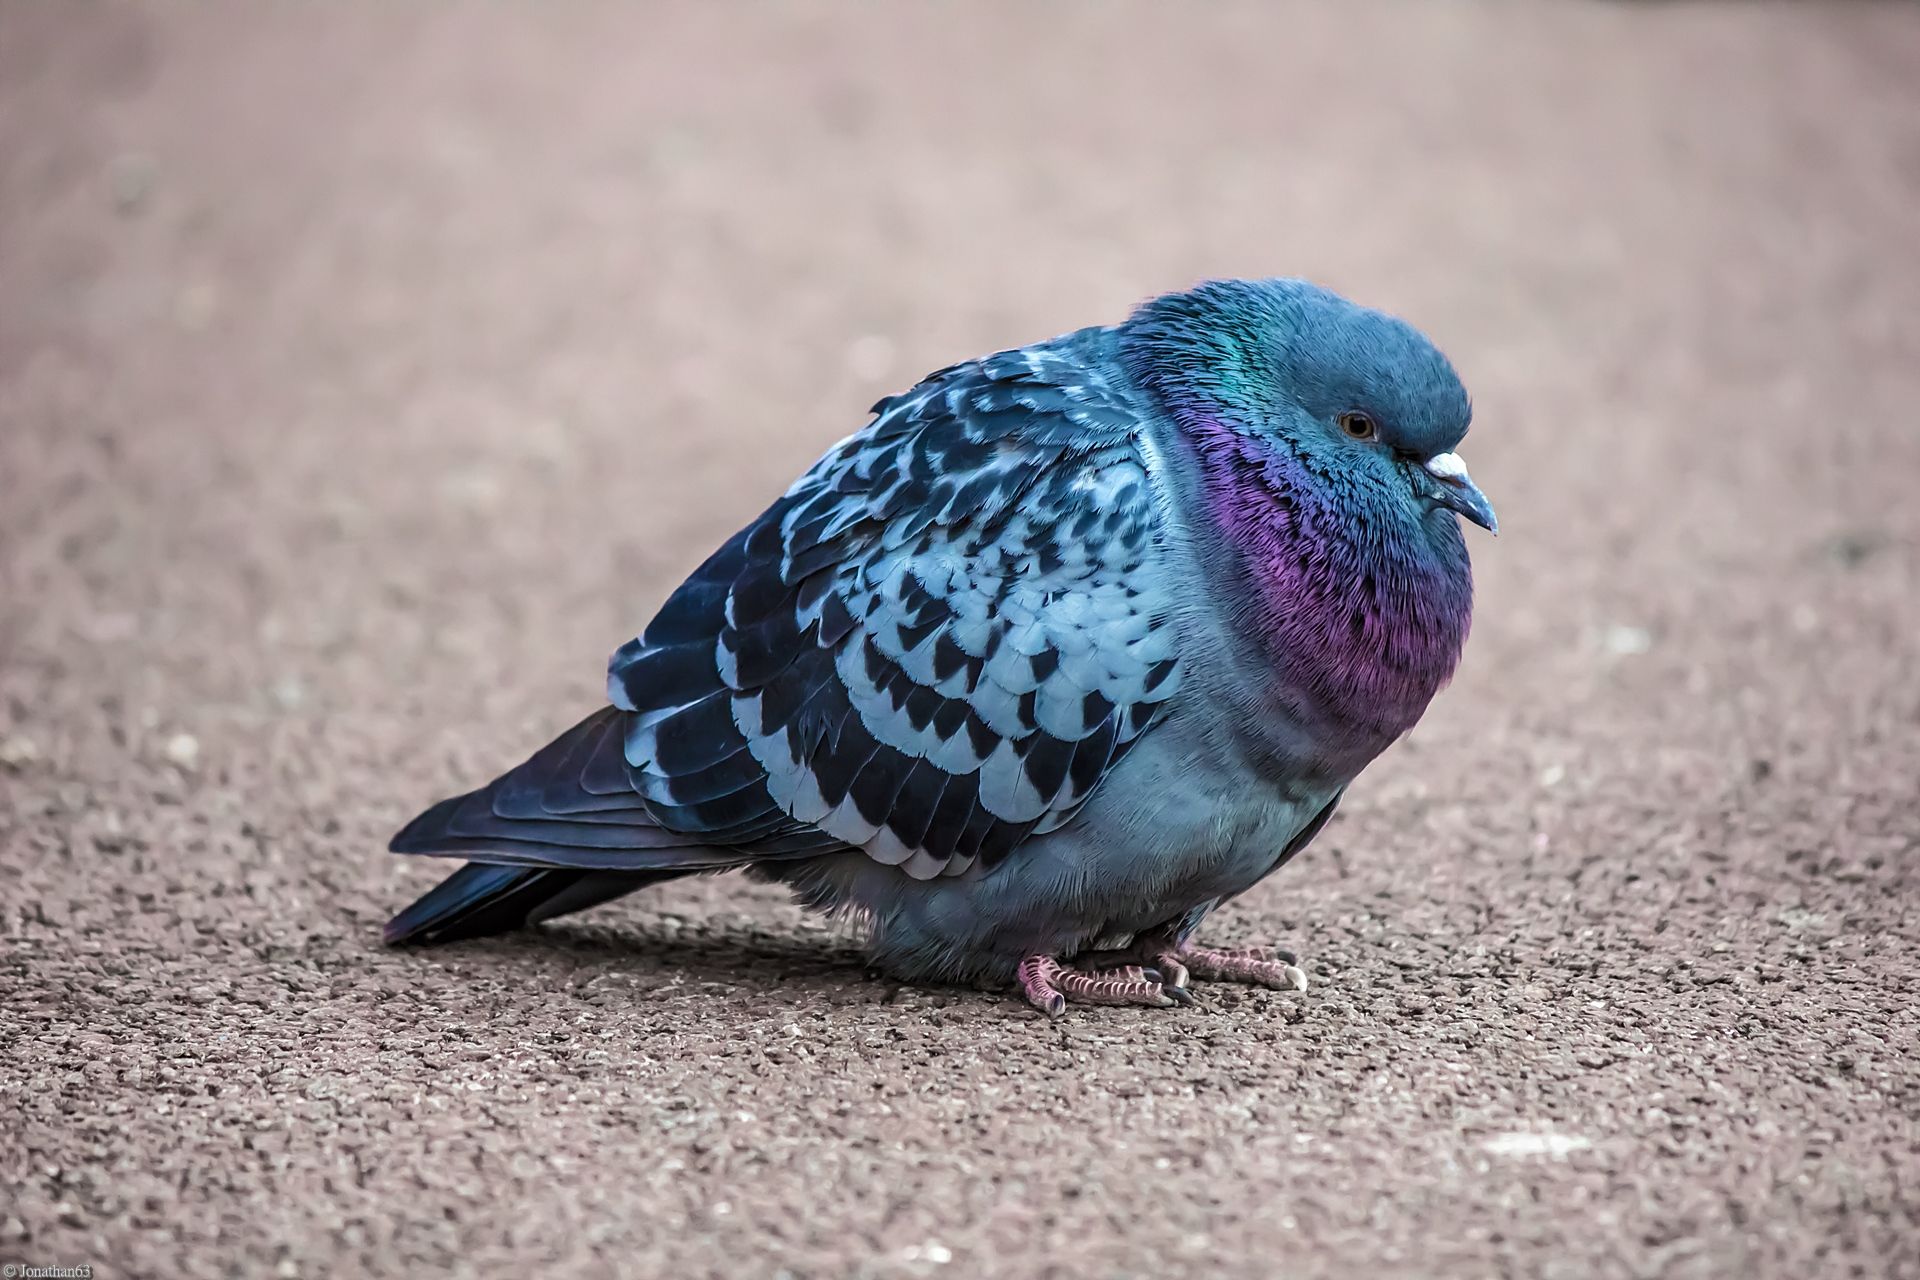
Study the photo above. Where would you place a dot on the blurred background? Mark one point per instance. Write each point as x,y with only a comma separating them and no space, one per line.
368,372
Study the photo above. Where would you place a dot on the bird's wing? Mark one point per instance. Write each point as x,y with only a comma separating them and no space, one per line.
934,645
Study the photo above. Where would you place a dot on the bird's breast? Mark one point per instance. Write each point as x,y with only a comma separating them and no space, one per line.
1352,625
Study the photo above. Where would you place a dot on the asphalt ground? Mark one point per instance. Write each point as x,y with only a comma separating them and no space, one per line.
368,373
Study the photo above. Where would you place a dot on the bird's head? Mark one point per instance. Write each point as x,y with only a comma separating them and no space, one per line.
1357,399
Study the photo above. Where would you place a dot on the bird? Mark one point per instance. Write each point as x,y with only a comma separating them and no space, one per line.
1064,648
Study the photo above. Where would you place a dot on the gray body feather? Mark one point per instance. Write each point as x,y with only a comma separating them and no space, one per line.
984,677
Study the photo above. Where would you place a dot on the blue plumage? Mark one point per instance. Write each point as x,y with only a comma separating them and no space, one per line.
911,686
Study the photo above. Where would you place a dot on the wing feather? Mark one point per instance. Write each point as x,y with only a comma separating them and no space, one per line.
936,643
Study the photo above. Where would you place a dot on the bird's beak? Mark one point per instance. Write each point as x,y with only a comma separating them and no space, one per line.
1455,490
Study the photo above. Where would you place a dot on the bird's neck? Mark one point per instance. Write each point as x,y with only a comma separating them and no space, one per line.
1358,609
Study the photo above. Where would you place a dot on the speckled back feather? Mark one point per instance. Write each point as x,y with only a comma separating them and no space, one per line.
933,645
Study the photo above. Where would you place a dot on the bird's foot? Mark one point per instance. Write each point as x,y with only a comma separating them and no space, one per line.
1258,966
1049,985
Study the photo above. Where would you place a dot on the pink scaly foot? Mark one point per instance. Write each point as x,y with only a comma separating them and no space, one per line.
1259,966
1048,985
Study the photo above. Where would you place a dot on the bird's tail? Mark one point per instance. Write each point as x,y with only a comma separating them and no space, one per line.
483,898
560,833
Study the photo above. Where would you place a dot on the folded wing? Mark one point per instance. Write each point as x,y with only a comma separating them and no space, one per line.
934,645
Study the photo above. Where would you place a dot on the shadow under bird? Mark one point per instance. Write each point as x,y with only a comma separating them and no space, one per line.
1066,647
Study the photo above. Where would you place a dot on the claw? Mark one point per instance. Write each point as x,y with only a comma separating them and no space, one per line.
1258,966
1154,972
1048,985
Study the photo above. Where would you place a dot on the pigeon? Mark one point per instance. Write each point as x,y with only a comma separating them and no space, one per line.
1063,649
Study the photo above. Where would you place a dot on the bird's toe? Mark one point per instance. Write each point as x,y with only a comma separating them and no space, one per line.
1050,986
1256,966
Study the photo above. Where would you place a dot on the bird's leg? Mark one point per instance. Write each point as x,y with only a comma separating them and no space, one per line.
1152,970
1048,985
1154,952
1259,966
1158,951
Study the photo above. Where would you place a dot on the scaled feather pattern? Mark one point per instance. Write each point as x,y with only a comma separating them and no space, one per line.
1067,644
933,646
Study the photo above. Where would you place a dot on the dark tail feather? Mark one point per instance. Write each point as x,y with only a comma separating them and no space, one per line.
562,832
480,899
571,805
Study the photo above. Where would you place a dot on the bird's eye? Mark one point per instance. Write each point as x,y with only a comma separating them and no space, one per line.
1358,425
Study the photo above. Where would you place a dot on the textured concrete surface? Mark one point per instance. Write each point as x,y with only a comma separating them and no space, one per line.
367,375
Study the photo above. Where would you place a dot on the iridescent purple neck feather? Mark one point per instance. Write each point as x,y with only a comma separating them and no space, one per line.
1306,424
1361,613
